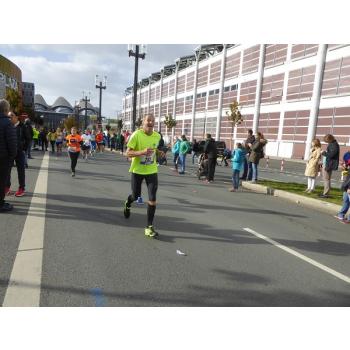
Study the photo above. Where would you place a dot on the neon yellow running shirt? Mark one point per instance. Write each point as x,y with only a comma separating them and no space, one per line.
144,165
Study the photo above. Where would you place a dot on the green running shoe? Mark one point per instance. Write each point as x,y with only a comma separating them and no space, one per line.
126,210
149,232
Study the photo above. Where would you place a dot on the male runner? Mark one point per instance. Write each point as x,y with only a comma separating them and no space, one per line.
142,148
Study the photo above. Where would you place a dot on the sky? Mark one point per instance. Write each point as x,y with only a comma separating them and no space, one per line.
68,70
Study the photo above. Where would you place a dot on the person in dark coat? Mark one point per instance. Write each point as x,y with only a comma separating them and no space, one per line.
29,135
8,151
330,163
22,143
211,152
249,141
256,153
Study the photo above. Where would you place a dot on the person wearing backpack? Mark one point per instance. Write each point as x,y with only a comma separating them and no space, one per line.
184,148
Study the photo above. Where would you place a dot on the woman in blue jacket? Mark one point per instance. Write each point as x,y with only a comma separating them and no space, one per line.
237,162
176,151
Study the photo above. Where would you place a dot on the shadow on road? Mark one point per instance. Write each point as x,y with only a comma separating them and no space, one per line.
195,295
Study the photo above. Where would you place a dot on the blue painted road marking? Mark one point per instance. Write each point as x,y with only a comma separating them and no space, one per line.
99,298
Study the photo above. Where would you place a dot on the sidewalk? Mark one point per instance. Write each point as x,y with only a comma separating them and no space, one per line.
312,203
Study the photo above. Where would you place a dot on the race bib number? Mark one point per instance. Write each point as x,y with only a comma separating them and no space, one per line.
147,160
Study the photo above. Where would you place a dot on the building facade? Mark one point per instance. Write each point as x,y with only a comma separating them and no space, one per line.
10,76
290,92
53,116
28,92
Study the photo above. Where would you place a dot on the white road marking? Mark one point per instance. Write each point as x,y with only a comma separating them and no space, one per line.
300,256
25,281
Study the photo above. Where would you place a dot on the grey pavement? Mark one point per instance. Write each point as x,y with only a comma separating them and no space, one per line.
93,256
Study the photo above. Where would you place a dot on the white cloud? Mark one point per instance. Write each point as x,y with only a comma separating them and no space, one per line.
68,70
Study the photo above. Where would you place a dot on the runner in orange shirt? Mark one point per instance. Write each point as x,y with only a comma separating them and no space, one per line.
73,144
99,141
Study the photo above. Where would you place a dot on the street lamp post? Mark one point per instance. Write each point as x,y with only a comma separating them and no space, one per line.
99,84
77,111
86,100
135,52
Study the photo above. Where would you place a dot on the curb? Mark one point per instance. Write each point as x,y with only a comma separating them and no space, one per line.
312,203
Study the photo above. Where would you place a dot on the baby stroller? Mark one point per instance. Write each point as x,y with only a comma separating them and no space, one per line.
202,166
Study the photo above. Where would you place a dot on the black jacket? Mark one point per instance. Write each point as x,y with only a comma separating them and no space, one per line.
332,156
23,138
8,139
28,130
210,149
195,147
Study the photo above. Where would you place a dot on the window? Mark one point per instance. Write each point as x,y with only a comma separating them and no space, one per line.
211,92
227,88
217,91
234,87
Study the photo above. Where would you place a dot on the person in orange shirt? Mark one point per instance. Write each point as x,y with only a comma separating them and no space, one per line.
73,144
99,141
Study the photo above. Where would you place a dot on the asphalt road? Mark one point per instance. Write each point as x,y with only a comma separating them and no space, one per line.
93,256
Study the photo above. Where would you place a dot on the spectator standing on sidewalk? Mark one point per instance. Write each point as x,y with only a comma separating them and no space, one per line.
250,140
237,162
211,151
176,151
312,166
22,144
256,153
331,162
29,135
195,150
183,150
8,151
345,187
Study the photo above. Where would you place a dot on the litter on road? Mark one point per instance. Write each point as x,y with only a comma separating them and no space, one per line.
179,252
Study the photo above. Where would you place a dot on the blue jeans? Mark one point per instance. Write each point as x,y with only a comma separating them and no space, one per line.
255,172
28,152
235,179
176,160
194,154
250,171
346,205
182,158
